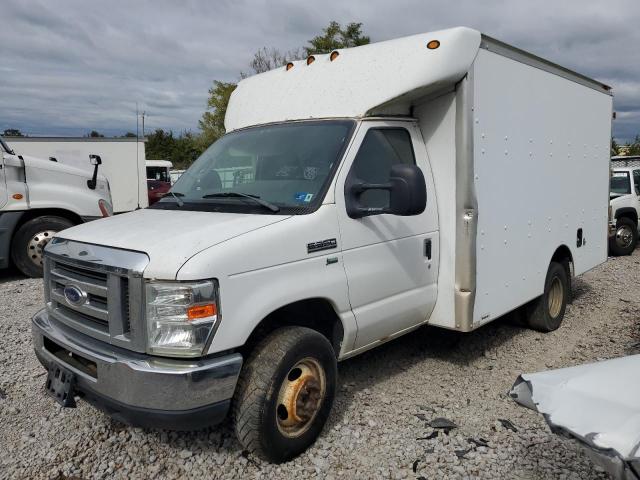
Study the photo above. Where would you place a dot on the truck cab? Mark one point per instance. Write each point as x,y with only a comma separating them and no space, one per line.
625,208
39,198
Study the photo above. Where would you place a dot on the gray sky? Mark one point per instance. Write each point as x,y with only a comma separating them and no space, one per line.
68,67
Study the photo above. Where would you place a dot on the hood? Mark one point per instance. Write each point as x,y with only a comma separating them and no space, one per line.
41,164
168,237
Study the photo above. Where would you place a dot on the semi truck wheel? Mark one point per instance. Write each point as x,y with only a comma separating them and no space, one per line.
626,238
27,246
546,312
285,393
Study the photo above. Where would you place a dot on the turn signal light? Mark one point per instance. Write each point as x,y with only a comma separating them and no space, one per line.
289,66
433,44
17,196
201,311
334,55
310,59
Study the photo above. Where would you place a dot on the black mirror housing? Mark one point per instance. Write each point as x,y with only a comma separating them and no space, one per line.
407,193
95,160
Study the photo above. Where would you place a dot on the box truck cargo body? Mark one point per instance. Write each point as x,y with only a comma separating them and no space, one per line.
123,162
442,179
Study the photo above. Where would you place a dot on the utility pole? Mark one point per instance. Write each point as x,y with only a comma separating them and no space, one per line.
143,115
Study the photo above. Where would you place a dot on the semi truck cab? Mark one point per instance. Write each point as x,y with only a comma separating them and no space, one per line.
39,198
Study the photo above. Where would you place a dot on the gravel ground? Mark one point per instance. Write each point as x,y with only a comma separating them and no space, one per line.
380,424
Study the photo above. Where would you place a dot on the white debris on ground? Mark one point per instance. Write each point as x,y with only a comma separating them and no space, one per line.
389,401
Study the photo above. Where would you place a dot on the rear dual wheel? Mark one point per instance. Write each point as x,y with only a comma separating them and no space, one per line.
626,238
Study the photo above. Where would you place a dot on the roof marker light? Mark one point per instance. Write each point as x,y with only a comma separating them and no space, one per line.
334,55
310,59
289,66
433,44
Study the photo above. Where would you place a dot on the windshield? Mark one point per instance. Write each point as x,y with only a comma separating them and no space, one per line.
284,168
620,184
160,174
5,147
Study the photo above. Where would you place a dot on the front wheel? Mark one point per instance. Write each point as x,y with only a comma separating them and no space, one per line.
626,238
285,393
27,246
546,312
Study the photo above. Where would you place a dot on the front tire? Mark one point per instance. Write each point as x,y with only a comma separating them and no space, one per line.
27,246
546,312
626,238
285,393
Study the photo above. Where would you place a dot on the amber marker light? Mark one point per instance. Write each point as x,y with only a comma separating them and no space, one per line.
289,66
201,311
310,59
334,55
433,44
17,196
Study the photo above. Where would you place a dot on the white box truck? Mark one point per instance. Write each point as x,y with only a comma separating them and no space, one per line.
123,162
439,179
39,198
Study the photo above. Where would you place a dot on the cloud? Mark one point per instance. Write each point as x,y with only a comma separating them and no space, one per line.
72,66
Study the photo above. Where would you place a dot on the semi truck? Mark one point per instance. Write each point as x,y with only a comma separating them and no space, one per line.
39,198
123,162
440,179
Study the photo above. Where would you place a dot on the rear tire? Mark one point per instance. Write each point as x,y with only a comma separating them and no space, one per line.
546,312
285,393
27,246
626,238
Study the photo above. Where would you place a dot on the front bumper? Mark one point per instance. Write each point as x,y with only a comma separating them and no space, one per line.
140,389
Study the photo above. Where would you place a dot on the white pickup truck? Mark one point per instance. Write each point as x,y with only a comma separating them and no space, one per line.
625,207
428,180
39,198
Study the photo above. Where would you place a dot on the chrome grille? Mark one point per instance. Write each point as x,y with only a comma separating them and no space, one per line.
110,280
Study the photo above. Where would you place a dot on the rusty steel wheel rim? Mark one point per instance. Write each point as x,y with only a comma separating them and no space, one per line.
555,297
300,397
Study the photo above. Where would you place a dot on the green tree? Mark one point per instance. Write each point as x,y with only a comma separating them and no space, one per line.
95,134
129,135
334,37
13,132
212,121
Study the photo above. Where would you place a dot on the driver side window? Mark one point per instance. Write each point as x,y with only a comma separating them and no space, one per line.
380,150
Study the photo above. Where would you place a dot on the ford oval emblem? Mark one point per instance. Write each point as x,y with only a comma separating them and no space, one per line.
74,296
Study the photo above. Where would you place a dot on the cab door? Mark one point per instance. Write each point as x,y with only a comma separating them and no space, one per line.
391,261
3,178
636,190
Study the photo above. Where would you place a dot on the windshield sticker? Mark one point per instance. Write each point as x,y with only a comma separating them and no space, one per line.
303,197
310,173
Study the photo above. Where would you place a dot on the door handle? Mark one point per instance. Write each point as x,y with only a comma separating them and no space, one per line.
427,248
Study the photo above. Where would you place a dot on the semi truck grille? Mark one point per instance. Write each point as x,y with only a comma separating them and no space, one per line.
102,300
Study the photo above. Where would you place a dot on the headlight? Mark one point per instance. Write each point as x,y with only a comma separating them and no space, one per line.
181,316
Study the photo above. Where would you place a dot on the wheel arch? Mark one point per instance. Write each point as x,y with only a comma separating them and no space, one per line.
316,313
627,212
48,212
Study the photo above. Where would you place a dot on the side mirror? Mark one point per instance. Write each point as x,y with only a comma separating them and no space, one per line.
407,193
95,160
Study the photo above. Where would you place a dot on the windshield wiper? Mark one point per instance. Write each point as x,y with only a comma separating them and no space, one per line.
255,198
177,196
